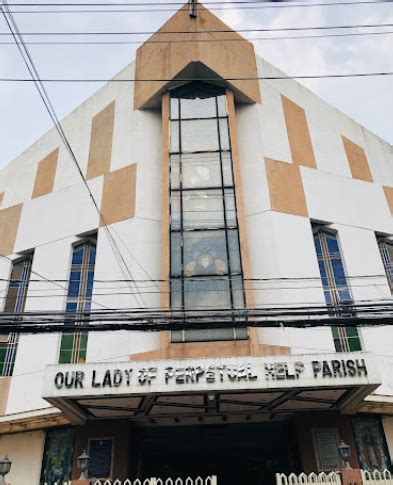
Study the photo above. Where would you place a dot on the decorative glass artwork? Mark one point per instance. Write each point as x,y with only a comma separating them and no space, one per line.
370,443
58,452
206,269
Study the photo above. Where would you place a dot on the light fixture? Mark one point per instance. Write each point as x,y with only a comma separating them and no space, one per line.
83,461
5,467
345,453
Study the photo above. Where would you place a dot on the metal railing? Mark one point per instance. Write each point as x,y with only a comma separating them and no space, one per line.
332,478
210,480
376,477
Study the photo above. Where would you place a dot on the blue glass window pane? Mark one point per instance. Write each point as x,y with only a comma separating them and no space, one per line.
338,271
328,297
73,289
345,296
92,257
71,307
317,242
332,245
77,257
90,281
322,271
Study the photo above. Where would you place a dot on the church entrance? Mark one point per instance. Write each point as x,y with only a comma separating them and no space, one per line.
237,453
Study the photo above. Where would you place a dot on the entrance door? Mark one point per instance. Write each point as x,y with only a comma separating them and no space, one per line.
238,454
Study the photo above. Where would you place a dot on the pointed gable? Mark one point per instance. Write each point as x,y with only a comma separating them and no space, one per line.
190,54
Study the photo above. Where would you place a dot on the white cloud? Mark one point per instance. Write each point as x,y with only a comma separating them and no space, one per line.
368,100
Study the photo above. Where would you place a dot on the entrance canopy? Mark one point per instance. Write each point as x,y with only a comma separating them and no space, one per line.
211,389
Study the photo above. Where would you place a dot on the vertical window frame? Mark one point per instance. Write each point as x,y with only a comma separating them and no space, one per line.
11,345
341,335
225,156
383,245
78,340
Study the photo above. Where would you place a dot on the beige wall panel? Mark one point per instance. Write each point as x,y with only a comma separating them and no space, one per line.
286,188
298,134
357,159
4,391
118,197
389,197
157,60
9,223
25,450
101,142
45,176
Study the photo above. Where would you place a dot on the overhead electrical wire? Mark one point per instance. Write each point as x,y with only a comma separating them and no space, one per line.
28,61
223,7
254,39
149,3
200,32
262,78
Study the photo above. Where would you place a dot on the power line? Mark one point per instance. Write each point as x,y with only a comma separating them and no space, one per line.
254,39
221,31
161,280
142,4
28,61
223,7
264,78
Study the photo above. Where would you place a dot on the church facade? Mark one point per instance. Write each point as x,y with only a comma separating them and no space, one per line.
225,199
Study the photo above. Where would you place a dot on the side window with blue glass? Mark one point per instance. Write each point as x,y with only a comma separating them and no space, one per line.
386,250
80,290
335,287
14,303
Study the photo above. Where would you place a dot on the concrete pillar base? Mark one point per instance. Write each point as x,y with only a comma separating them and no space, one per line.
351,476
80,482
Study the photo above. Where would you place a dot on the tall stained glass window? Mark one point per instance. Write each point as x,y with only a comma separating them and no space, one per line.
206,266
386,249
14,303
80,289
335,287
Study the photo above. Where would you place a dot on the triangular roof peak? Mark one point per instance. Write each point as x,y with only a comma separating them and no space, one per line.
187,45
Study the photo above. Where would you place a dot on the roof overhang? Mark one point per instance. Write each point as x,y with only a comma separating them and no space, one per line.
211,387
192,48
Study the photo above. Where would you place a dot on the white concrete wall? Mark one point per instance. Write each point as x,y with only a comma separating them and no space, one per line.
280,245
25,450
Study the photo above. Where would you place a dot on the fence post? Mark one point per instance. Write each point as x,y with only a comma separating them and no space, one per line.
214,480
351,476
153,481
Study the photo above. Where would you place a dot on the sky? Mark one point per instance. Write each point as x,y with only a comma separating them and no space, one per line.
369,100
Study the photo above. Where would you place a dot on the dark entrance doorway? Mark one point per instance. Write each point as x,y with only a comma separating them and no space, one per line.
237,453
